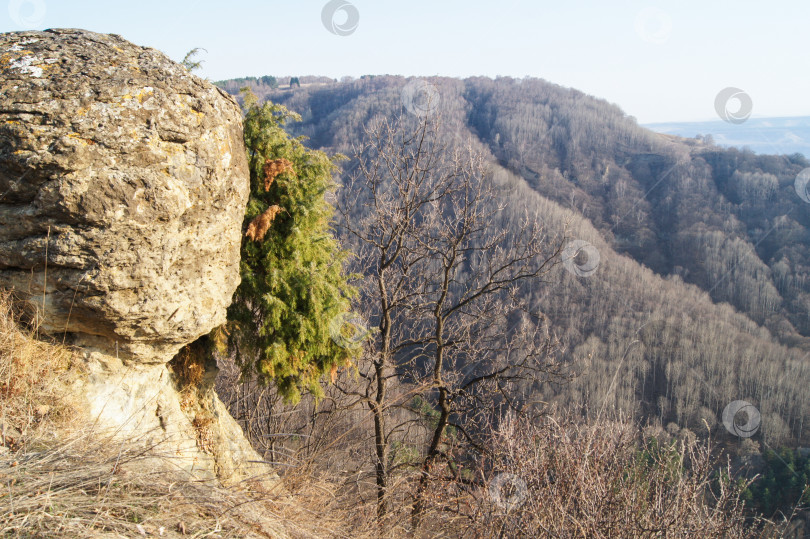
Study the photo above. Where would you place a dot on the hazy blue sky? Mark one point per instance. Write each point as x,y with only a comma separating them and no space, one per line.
660,61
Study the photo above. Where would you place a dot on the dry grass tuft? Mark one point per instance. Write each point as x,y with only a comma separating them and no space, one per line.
84,489
34,376
188,366
260,225
202,428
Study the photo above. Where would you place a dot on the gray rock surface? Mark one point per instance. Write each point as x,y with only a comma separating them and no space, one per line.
123,184
123,181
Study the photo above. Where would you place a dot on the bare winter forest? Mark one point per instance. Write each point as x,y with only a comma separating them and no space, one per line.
673,280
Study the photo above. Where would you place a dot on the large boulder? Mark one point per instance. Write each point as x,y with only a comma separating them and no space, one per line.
123,183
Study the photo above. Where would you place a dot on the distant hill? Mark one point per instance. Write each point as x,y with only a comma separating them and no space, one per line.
780,136
702,295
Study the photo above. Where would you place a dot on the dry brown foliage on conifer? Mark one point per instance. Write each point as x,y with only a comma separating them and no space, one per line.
274,167
258,228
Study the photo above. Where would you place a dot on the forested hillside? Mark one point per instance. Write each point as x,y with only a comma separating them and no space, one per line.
701,294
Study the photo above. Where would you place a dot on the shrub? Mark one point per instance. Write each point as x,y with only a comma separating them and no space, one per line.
293,285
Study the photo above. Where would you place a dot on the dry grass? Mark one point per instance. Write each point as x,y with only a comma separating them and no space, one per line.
81,489
62,478
188,366
33,378
90,486
567,478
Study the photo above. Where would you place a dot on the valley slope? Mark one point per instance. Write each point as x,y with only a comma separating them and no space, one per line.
701,296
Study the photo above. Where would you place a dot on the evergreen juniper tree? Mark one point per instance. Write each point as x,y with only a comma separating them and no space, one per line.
294,293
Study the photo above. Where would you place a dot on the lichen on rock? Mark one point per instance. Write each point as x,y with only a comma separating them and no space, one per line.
130,173
123,184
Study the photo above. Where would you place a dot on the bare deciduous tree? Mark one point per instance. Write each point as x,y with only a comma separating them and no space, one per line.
444,269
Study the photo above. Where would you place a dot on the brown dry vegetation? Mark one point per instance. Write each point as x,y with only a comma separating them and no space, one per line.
274,167
603,478
33,377
566,478
62,479
259,226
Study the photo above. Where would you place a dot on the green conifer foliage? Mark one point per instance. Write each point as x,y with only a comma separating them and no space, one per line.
294,292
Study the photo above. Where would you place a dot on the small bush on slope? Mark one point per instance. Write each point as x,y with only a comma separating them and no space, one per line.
562,477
